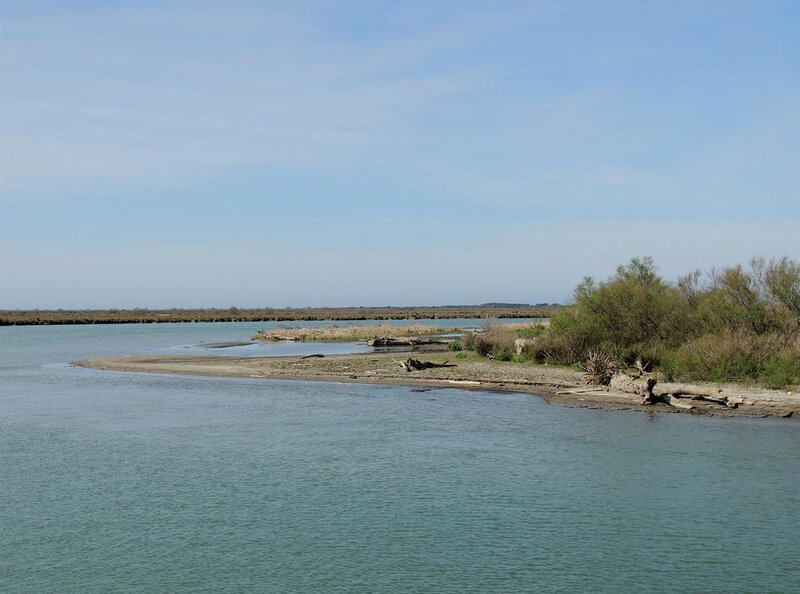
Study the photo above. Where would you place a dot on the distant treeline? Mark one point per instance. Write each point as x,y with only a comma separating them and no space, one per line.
235,314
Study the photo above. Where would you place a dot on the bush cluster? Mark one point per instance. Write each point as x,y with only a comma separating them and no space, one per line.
733,324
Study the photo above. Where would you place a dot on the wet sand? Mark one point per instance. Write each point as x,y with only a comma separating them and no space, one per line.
557,385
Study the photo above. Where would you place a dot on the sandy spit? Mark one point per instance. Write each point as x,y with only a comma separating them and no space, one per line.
556,385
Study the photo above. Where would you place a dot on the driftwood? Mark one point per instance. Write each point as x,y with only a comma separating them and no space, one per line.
701,393
387,341
641,385
263,335
680,396
670,400
417,365
314,356
686,390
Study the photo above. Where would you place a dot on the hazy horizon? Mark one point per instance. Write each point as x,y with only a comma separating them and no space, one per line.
178,154
308,307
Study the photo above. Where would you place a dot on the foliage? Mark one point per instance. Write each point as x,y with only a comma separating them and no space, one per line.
495,342
735,357
633,315
741,325
733,324
530,331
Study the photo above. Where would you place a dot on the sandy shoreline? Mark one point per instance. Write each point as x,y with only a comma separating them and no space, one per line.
556,385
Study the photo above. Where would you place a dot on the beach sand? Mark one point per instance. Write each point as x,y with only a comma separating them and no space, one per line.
556,385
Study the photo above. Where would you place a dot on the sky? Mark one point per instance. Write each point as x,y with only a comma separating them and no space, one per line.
274,154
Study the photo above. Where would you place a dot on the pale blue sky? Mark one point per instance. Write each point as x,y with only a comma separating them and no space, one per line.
163,154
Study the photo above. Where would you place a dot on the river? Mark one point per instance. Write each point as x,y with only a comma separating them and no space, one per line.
142,483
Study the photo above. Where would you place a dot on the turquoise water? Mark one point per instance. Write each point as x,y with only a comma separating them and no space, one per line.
143,483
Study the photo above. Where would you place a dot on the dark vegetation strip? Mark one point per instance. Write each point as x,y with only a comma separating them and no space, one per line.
235,314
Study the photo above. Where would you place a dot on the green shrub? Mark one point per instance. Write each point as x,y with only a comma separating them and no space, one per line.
502,352
454,346
743,324
781,370
482,345
734,357
532,331
560,348
496,342
468,341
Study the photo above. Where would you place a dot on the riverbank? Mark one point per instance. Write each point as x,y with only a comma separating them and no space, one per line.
557,385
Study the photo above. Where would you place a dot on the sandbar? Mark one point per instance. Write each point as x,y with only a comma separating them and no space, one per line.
557,385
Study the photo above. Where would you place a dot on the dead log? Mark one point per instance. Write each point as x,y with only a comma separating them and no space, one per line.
417,365
703,393
716,399
686,390
672,401
641,385
388,341
314,356
278,337
680,396
735,401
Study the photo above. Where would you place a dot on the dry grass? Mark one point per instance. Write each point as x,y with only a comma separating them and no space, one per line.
497,341
600,366
349,333
521,327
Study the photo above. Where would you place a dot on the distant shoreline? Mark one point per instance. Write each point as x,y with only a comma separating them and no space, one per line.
233,314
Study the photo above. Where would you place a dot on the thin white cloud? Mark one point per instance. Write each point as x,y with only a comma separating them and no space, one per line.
113,95
123,97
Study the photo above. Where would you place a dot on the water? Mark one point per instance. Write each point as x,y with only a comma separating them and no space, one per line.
135,482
